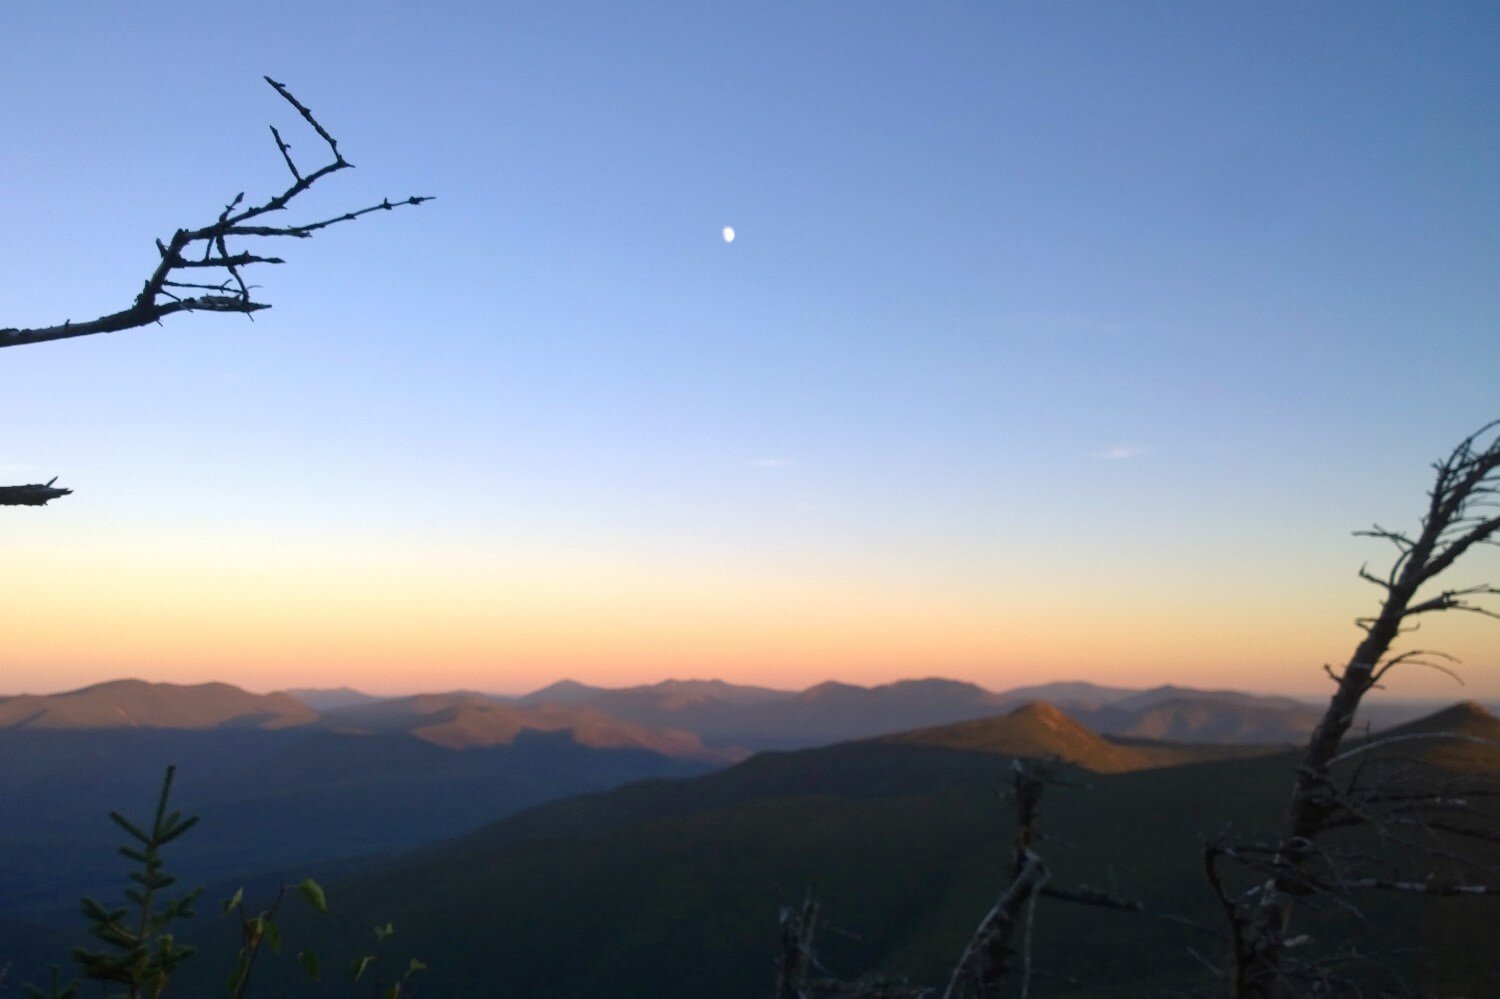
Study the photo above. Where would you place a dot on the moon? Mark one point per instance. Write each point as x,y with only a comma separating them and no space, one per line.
729,234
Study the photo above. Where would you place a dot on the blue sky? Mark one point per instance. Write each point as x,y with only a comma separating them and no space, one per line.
1043,319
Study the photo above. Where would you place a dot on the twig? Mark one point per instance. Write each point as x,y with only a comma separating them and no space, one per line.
37,494
207,247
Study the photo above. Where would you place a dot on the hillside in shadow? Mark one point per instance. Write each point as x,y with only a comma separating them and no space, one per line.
672,888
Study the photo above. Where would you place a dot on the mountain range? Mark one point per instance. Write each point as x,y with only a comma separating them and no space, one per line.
358,780
705,720
672,888
468,721
758,718
574,789
137,704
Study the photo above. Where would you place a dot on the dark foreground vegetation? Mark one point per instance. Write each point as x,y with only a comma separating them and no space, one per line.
672,888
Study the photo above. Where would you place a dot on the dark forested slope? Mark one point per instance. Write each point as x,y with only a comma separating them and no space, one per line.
672,888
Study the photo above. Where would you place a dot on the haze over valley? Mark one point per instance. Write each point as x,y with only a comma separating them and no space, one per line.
607,778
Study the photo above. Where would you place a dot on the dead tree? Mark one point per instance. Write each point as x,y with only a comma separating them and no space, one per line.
798,970
1300,862
795,965
991,950
989,959
999,944
197,270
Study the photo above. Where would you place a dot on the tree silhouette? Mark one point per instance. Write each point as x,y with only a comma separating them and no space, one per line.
1416,815
197,271
1462,513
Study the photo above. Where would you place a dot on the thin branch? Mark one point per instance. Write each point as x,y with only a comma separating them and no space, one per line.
797,929
1453,600
1393,740
997,926
206,247
1401,541
1413,658
1424,887
286,154
1084,895
36,494
284,92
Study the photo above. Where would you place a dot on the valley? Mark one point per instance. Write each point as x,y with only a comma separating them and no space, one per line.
623,824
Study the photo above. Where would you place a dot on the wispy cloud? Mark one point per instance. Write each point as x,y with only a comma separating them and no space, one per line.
773,462
1121,452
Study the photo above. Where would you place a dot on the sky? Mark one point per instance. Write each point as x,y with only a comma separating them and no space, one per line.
1057,341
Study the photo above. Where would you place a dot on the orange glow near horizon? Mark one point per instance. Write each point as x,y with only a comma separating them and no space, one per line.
269,616
1023,364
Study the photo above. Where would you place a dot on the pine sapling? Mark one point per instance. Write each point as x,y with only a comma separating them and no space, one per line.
141,953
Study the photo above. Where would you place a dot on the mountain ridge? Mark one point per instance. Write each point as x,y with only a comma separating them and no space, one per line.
726,720
133,703
465,720
903,840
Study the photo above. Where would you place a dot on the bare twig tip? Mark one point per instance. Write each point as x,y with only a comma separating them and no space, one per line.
154,301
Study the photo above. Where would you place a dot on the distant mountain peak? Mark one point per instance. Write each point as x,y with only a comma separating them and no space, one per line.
829,688
1047,714
133,703
1054,725
564,685
1465,717
562,692
1473,709
1463,737
1079,693
124,683
937,683
328,698
693,689
1035,729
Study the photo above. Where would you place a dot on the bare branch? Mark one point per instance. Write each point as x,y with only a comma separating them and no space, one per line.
1393,740
797,929
36,494
308,115
1424,887
1414,658
1085,895
1467,832
306,230
1298,865
978,965
1454,600
157,298
286,154
1396,538
206,247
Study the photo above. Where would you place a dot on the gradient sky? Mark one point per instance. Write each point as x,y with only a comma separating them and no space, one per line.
1058,340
